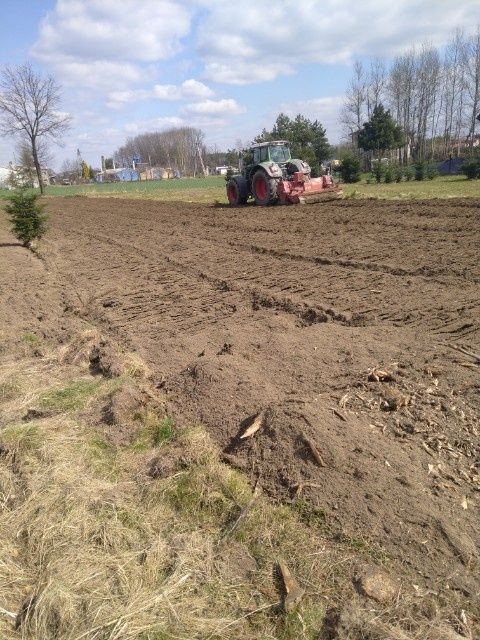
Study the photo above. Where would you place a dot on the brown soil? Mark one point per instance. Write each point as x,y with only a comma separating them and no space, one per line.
298,312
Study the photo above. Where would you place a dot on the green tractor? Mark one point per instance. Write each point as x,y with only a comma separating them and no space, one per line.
270,175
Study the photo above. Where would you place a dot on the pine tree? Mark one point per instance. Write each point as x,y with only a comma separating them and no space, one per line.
26,216
380,133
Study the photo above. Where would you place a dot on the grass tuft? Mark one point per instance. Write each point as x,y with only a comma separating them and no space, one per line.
70,398
154,430
103,551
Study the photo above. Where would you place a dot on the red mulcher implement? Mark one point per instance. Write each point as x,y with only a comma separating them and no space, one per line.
272,176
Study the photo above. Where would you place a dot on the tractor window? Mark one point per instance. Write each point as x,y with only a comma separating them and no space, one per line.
256,155
280,153
263,154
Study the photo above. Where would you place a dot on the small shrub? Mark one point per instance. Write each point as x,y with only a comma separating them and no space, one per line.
399,173
471,169
350,168
420,169
431,171
26,216
389,174
409,173
378,171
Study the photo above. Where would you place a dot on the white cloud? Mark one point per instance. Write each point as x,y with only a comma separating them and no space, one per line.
194,89
269,42
244,72
144,31
189,90
227,106
104,43
98,74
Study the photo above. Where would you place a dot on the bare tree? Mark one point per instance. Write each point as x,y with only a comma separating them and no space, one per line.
453,91
30,107
177,148
376,84
401,89
24,160
353,112
472,76
433,94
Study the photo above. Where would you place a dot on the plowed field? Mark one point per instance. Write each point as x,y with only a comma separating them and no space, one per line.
339,323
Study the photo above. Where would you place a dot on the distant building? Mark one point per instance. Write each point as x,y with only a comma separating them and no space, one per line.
21,175
5,173
124,174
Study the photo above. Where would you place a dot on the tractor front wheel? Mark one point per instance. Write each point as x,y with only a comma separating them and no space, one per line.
237,191
264,188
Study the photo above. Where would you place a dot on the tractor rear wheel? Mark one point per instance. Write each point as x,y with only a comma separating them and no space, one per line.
237,191
264,188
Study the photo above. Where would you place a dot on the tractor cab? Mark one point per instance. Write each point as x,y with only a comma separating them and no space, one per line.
276,151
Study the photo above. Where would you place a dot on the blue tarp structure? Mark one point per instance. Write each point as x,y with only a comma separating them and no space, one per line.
127,175
452,166
118,175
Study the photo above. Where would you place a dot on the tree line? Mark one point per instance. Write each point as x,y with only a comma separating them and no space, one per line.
180,148
433,95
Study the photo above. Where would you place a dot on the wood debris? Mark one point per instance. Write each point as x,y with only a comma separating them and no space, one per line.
254,427
293,591
315,451
377,375
301,486
256,492
467,352
343,400
340,415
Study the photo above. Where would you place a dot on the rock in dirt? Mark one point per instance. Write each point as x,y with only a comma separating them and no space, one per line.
376,584
123,404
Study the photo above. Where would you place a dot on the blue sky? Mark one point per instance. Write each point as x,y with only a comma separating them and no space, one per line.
229,68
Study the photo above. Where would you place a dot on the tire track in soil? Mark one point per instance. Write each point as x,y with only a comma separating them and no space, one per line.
180,282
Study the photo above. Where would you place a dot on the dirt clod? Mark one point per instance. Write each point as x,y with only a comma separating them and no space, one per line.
106,360
123,404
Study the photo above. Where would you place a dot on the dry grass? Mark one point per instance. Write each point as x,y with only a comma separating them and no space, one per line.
92,547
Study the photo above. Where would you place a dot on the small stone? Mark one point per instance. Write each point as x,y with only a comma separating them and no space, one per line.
376,584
